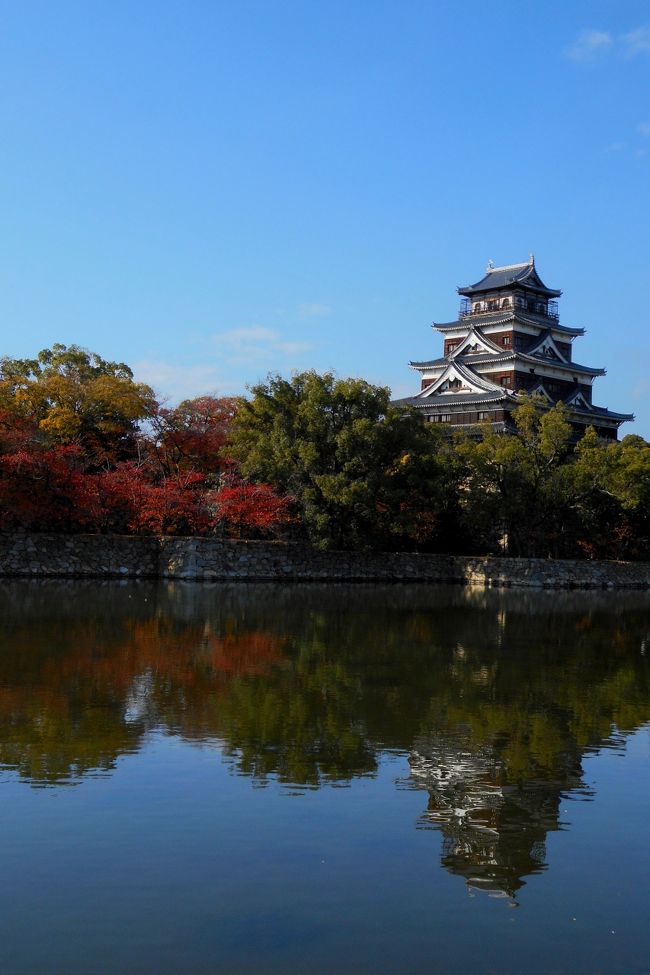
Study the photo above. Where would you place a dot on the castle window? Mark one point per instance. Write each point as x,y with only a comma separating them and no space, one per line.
506,340
505,303
505,380
483,415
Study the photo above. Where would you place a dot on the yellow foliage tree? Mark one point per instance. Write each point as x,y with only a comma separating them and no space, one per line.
70,395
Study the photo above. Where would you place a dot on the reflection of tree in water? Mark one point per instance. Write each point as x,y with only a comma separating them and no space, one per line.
80,686
496,696
75,695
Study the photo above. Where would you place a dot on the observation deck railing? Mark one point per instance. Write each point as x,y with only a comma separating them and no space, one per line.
472,308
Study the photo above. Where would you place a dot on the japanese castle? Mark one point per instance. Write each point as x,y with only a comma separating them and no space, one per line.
508,340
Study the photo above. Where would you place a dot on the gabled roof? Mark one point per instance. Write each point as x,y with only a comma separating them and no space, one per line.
475,337
539,389
522,275
502,318
546,348
577,398
578,405
456,370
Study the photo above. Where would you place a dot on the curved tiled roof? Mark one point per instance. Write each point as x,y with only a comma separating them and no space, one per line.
600,411
430,364
454,399
447,402
501,318
523,275
512,356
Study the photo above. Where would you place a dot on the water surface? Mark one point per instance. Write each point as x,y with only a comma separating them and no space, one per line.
265,779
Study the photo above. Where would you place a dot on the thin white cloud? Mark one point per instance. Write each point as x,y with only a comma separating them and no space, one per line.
178,382
255,344
589,45
616,147
636,41
643,128
293,348
592,43
245,342
312,309
229,361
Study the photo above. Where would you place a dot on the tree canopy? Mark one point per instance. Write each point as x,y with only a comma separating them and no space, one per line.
84,447
362,472
69,395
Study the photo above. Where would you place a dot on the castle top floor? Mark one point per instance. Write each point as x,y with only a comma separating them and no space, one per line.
514,286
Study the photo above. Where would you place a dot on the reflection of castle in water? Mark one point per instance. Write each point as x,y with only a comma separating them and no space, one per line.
494,832
495,696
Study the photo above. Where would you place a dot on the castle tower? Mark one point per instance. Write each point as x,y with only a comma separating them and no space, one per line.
508,340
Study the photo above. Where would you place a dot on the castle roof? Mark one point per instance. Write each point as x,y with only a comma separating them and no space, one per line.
490,358
600,411
447,402
504,318
509,275
456,399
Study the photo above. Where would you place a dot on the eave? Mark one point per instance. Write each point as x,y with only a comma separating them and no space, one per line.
498,318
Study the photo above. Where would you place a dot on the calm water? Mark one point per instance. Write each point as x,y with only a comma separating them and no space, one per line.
258,779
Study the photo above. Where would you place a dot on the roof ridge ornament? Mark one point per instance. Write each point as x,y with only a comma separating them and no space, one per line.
507,267
490,265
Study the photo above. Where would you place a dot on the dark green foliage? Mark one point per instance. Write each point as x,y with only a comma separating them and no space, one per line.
534,494
363,473
515,495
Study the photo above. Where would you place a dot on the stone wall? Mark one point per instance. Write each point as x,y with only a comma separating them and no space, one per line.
206,559
109,556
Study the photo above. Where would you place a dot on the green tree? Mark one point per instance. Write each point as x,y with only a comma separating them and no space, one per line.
363,473
517,495
611,495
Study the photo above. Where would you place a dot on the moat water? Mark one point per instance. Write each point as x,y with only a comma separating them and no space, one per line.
322,779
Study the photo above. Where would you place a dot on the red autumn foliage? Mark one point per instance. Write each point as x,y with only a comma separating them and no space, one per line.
47,490
131,500
16,432
168,489
245,654
243,507
191,436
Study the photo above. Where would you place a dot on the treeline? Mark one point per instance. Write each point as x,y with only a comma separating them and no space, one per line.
83,447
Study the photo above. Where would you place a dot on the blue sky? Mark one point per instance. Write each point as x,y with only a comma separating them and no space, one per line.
210,191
